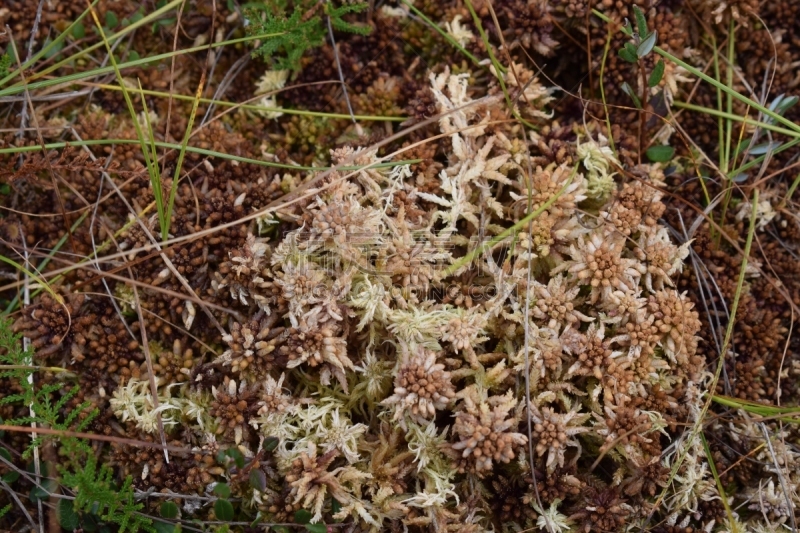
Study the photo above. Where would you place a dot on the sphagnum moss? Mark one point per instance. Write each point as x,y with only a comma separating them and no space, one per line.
360,369
360,316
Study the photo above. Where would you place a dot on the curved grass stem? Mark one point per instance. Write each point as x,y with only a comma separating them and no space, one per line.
469,257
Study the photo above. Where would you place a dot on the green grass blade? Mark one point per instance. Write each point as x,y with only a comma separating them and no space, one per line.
115,68
151,163
703,76
789,194
760,159
124,31
696,430
733,117
44,51
728,123
785,414
149,152
67,78
752,103
153,170
39,280
723,160
603,91
500,70
201,151
729,97
443,33
15,301
718,481
463,261
179,164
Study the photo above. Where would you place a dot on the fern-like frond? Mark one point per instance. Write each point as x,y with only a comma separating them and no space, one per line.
5,64
12,355
338,23
95,489
291,36
96,492
11,398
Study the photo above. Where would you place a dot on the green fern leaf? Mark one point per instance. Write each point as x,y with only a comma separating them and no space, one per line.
290,37
5,64
341,25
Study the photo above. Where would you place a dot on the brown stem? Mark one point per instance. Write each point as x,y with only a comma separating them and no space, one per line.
92,436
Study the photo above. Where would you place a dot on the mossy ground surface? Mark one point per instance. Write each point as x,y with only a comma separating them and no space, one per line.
463,266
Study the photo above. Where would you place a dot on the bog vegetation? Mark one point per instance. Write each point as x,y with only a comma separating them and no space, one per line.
472,265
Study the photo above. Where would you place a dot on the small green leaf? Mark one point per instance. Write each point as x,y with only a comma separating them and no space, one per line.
133,55
780,105
627,54
223,510
660,154
646,46
301,516
79,31
12,476
90,523
785,104
67,517
270,443
222,457
136,17
169,510
764,148
657,74
238,457
111,20
37,494
55,50
317,528
164,527
641,22
626,28
258,480
163,22
257,520
222,490
742,145
95,508
629,91
46,485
